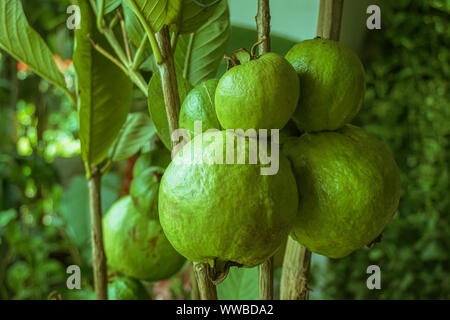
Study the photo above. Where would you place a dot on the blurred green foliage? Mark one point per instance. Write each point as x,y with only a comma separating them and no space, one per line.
407,106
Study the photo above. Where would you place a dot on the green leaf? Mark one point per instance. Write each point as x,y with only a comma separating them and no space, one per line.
156,105
110,5
25,44
240,284
134,28
199,54
153,11
137,130
194,16
173,11
104,92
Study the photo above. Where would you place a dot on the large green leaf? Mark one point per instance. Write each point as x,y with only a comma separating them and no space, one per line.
156,105
153,11
104,92
137,130
199,54
193,16
240,284
25,44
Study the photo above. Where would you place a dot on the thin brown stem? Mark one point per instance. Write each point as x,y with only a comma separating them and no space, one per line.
295,276
330,18
98,252
168,79
206,288
263,25
263,28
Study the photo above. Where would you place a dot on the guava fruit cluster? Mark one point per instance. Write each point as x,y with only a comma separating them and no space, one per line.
135,244
348,182
336,186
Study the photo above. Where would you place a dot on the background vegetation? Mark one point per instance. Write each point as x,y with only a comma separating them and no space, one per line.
44,220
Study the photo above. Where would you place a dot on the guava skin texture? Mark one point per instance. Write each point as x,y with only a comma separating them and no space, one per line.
199,106
349,189
125,288
136,245
226,212
332,79
259,94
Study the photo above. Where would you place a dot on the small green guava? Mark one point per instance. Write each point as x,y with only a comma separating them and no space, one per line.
225,213
144,191
199,106
126,288
349,188
157,157
332,82
136,246
261,93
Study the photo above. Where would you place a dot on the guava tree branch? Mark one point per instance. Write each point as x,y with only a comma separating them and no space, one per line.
263,25
166,67
297,259
263,28
98,252
206,288
168,79
295,277
330,18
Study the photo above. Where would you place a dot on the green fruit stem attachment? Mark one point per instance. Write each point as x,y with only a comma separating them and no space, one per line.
219,270
265,277
242,56
295,276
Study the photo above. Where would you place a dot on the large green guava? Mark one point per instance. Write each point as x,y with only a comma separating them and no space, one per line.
259,94
349,189
225,213
126,288
136,246
332,82
199,106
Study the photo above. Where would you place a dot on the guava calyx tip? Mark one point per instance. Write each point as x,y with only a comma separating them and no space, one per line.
219,270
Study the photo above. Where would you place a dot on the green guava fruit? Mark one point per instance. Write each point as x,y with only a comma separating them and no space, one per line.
158,157
199,106
144,191
332,82
126,288
225,214
259,94
136,246
349,189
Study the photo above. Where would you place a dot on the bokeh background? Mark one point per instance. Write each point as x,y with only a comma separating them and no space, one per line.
44,220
